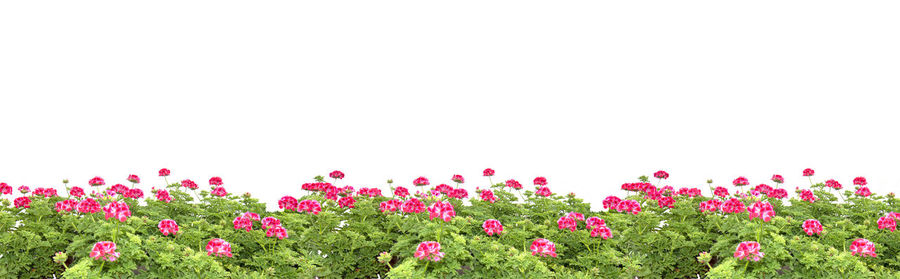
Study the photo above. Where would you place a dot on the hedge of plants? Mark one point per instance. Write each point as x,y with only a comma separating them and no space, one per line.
455,229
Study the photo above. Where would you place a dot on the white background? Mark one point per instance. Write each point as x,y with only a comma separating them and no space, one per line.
589,94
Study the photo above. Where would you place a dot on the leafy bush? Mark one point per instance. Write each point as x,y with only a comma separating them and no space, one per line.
324,231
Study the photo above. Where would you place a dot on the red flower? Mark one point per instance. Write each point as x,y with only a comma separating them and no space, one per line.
370,192
134,178
104,250
190,184
336,175
219,191
629,206
740,181
288,203
488,196
488,172
22,202
808,172
610,202
134,193
863,191
540,181
242,223
661,175
576,216
88,205
119,188
421,181
441,210
710,205
458,179
215,181
346,202
860,181
544,191
167,226
66,205
777,178
887,222
97,181
777,193
733,206
762,210
24,189
831,183
251,216
413,205
270,222
748,250
164,172
721,191
602,231
311,206
76,191
492,226
116,210
543,247
807,195
812,226
763,188
277,231
443,188
46,192
429,250
163,196
459,193
218,247
666,202
594,222
566,223
401,192
863,247
391,205
513,184
5,189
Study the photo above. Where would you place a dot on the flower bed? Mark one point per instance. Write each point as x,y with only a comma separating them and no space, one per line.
449,230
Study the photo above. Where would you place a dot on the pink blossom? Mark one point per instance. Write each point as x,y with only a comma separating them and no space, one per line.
512,183
311,206
270,222
661,175
807,195
401,191
492,226
863,247
566,223
611,202
167,226
748,250
544,191
190,184
777,178
164,172
809,172
97,181
288,203
831,183
116,210
429,250
219,248
66,205
134,178
488,172
163,196
215,181
391,205
458,178
601,231
104,250
540,181
812,226
887,222
543,247
762,210
629,206
346,202
733,206
863,191
76,191
277,231
721,191
336,175
860,181
740,181
666,202
421,181
5,189
441,210
88,205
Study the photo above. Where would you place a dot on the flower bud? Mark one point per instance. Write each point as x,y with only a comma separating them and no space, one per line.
60,257
65,181
704,257
709,181
390,181
247,195
384,257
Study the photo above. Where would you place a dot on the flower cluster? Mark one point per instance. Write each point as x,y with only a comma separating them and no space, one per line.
748,250
543,247
492,226
863,247
429,250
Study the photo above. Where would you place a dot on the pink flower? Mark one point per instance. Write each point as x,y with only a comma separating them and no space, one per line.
134,193
459,193
219,191
287,203
831,183
540,181
443,188
218,247
610,202
763,188
391,205
721,191
629,206
97,181
167,226
860,181
863,247
488,196
164,172
807,195
812,226
748,250
441,210
270,222
190,184
544,191
76,191
311,206
602,231
543,247
661,175
740,181
429,250
134,178
513,184
370,192
215,181
277,231
116,210
492,226
594,222
336,175
346,202
24,189
863,191
808,172
242,223
5,189
777,193
887,222
566,223
421,181
401,191
104,250
163,196
119,188
488,172
458,178
250,215
88,205
733,206
666,202
710,205
66,205
576,216
777,178
762,210
413,205
46,192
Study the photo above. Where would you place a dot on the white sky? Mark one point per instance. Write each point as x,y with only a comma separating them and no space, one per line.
589,94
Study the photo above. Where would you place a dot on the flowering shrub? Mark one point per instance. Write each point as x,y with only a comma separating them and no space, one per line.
502,230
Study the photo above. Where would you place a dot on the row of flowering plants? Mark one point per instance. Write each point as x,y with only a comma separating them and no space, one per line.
174,229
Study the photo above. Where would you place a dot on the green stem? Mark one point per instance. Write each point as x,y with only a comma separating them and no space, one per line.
102,264
117,231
